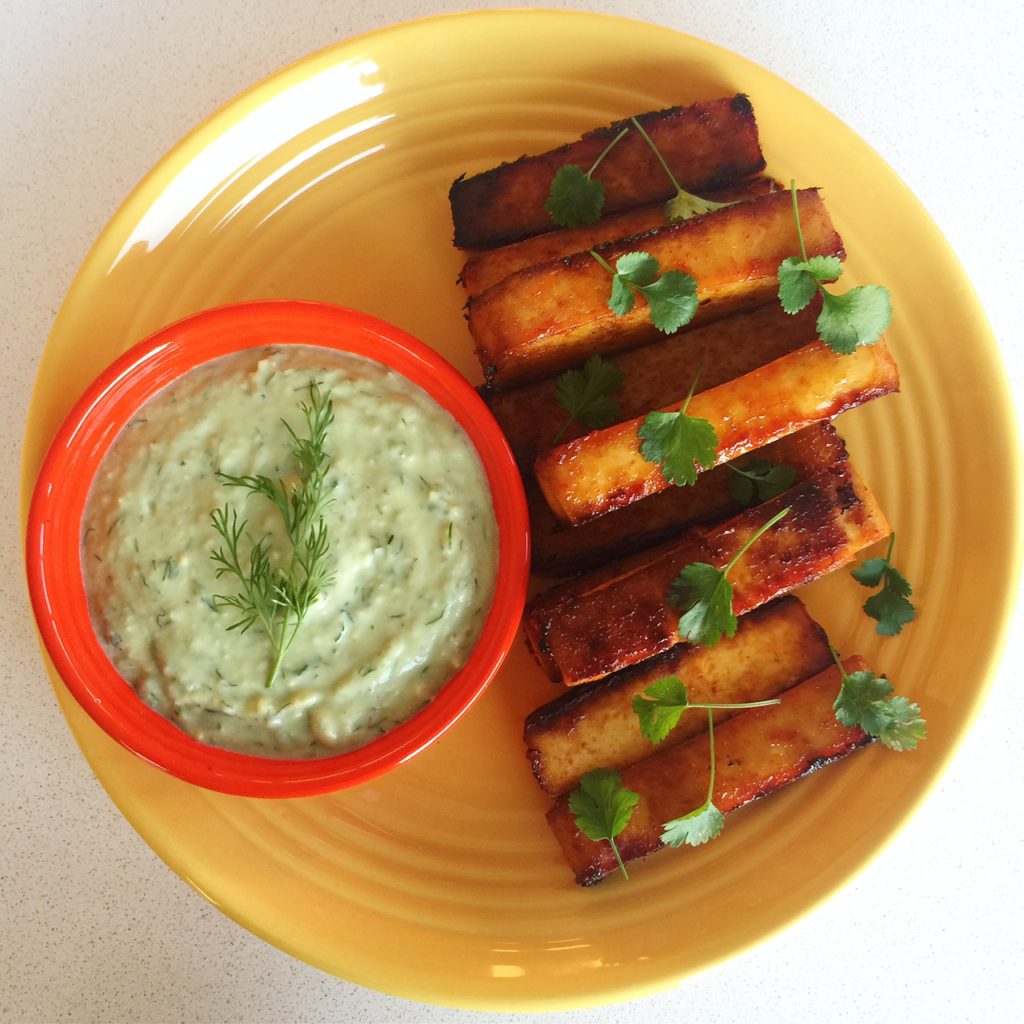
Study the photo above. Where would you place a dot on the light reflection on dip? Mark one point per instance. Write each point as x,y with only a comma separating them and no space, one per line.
413,548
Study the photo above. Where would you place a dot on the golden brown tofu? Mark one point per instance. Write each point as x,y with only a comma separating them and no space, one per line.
559,550
708,145
547,317
756,753
656,374
493,265
606,621
595,726
604,470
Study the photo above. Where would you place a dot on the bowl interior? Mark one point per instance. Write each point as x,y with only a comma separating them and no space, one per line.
54,555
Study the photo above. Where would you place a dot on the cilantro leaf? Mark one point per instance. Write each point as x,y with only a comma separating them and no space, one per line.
799,279
856,317
602,807
662,707
861,701
871,572
891,606
684,205
759,480
639,268
866,700
575,198
695,828
797,284
905,726
678,444
704,596
586,394
825,269
671,298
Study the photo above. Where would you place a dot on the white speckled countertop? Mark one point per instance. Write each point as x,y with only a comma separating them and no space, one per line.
94,926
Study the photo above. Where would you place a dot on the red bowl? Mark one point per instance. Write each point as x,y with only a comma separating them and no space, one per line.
54,551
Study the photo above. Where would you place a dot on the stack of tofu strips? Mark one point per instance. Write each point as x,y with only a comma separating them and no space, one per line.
605,518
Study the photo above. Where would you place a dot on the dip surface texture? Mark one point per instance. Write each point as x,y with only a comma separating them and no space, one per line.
413,552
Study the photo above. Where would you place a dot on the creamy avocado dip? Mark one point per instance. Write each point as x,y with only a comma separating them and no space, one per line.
413,552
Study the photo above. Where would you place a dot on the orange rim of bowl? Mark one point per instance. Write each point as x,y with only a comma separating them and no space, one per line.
54,552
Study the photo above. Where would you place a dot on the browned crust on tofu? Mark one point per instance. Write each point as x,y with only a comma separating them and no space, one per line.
604,470
550,316
657,374
601,623
709,145
560,551
756,753
594,726
491,266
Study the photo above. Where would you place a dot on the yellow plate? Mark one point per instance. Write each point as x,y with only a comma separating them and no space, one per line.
441,882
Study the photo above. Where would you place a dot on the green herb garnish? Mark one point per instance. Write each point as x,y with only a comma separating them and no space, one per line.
575,197
672,297
683,205
890,606
706,821
856,317
678,443
602,807
276,592
662,704
703,594
866,700
759,480
586,394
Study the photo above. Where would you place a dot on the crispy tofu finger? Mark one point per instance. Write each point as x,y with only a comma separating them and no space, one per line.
547,317
709,145
604,470
756,753
560,550
608,620
491,266
595,726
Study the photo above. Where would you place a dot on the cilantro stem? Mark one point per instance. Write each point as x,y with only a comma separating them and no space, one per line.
892,543
604,263
565,427
748,704
661,160
835,658
618,858
799,230
711,743
606,151
693,388
750,540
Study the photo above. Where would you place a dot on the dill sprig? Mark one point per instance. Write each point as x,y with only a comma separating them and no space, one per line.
277,589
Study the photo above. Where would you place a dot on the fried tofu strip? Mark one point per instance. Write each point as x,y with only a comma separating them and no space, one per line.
493,265
756,753
604,470
708,145
547,317
620,615
595,726
657,374
561,551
